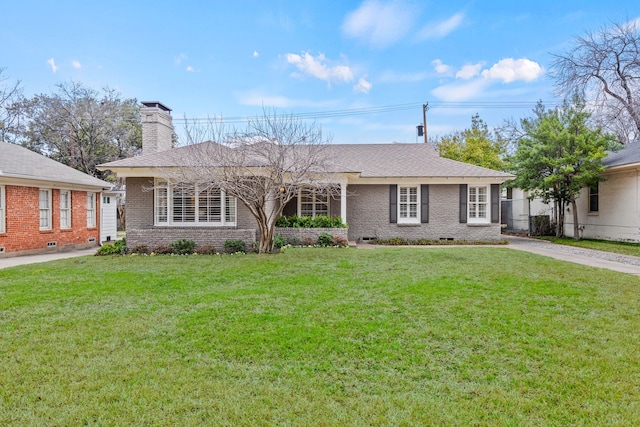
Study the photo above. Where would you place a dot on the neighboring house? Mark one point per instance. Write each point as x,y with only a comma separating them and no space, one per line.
611,209
524,214
386,191
45,205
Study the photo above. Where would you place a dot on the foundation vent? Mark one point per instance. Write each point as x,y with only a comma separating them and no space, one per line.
51,244
92,239
1,249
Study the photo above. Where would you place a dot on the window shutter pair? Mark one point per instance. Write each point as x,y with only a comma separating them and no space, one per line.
495,203
393,203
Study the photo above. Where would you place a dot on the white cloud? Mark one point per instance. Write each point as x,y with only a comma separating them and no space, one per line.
189,69
255,54
441,29
51,62
363,86
441,68
258,99
177,60
510,70
459,91
76,64
380,23
320,68
468,71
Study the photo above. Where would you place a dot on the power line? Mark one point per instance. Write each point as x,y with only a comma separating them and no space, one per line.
378,110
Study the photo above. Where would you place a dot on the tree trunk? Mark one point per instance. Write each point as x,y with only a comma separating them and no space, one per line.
576,227
266,238
560,224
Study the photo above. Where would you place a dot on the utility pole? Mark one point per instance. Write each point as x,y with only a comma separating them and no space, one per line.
425,107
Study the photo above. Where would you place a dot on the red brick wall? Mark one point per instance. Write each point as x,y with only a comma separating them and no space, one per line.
23,232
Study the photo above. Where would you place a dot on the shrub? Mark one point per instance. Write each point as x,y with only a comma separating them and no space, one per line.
206,250
234,246
322,221
340,241
279,242
119,247
163,250
140,250
293,241
183,246
283,221
308,241
325,239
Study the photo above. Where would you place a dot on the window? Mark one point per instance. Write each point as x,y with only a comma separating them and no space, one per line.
478,204
312,202
593,198
408,205
2,210
45,209
91,210
65,209
192,205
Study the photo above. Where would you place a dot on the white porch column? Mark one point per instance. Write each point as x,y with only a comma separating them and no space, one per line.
343,201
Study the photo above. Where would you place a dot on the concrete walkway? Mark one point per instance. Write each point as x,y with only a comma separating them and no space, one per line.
600,259
33,259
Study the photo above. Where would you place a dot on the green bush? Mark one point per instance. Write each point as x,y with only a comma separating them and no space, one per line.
293,241
183,246
279,242
234,246
320,221
119,247
325,239
283,221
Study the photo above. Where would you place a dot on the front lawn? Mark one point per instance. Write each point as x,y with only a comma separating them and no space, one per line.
391,336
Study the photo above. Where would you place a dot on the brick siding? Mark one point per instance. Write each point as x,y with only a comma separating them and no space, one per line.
23,235
368,216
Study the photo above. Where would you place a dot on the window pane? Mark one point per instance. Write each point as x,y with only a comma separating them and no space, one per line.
230,209
482,195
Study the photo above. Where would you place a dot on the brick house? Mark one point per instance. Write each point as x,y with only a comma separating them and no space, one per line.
386,191
45,205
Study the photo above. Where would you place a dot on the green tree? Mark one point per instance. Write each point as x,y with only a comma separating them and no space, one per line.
559,155
475,145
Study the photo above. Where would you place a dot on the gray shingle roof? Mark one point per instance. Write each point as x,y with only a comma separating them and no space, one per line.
369,160
628,155
21,163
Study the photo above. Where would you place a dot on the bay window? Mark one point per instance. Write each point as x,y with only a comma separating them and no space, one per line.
189,204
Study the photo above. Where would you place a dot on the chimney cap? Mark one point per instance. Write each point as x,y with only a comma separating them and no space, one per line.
156,104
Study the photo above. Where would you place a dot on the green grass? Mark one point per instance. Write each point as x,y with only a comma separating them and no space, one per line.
624,248
392,336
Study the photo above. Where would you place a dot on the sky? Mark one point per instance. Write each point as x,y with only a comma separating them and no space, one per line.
360,70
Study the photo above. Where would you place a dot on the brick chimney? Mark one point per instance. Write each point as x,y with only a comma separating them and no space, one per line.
157,127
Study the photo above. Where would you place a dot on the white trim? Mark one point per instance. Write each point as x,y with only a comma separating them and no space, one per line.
91,210
313,193
3,209
45,210
408,219
65,211
163,208
478,211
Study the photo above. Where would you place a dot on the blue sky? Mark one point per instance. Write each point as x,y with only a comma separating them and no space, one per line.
364,68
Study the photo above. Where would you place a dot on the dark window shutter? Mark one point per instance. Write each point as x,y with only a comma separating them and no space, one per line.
393,203
424,203
495,203
463,202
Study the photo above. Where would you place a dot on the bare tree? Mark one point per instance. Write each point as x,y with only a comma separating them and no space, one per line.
10,102
605,67
82,127
262,166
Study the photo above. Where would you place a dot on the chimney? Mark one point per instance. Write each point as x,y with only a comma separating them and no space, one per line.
157,128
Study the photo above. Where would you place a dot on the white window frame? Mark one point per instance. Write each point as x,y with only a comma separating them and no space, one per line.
91,210
594,193
44,202
478,210
405,213
313,196
204,213
3,210
65,210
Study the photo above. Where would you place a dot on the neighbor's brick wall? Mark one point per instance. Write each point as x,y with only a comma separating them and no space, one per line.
141,231
368,216
23,234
